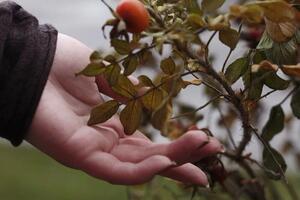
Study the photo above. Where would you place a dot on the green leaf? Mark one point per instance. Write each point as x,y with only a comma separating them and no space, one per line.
259,56
273,169
112,74
255,90
95,56
273,81
124,87
211,5
265,42
236,69
295,104
153,99
193,7
103,112
130,64
168,66
110,58
229,37
93,69
121,46
275,124
131,116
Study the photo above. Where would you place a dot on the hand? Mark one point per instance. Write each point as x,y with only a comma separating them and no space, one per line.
59,129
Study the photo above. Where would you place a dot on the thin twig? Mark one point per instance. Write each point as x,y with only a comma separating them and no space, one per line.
267,146
231,50
198,109
288,95
207,47
266,95
227,128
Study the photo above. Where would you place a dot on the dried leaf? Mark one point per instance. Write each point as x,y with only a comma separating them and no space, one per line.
280,32
291,70
103,112
131,116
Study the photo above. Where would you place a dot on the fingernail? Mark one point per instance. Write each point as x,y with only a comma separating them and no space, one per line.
223,150
203,144
174,163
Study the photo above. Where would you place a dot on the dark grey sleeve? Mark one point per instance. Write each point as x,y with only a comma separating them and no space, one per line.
26,54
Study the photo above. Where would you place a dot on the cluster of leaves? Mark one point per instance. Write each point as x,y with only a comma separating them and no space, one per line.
178,27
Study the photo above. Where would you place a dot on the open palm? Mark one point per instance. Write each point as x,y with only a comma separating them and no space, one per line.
59,129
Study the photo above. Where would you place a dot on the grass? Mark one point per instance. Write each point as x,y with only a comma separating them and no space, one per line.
26,173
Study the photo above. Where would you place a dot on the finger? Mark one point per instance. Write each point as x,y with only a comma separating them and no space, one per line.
107,167
187,173
188,148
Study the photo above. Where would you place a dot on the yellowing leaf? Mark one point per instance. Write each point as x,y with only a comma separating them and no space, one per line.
192,82
292,70
218,23
124,87
93,69
250,13
229,37
121,46
153,99
103,112
131,116
112,74
130,64
277,11
145,81
211,5
168,66
196,20
161,116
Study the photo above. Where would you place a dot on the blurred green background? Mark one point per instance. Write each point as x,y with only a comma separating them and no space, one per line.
26,173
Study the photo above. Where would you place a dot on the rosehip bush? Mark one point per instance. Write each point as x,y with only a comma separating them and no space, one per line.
172,35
